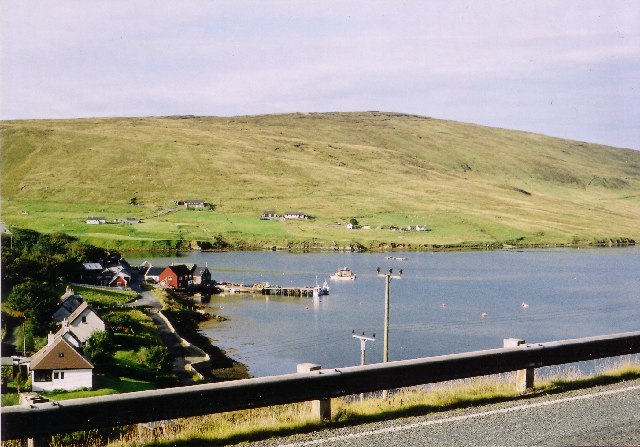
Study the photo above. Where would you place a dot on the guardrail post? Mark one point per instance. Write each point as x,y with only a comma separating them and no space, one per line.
28,399
320,409
524,377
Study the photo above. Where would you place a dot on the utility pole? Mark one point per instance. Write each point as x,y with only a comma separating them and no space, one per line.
385,344
363,349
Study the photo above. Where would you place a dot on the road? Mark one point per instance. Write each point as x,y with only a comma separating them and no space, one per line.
608,415
170,340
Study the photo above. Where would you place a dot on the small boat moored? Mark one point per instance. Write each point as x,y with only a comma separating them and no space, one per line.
344,273
320,290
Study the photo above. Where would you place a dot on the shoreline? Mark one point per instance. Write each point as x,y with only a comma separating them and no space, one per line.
391,247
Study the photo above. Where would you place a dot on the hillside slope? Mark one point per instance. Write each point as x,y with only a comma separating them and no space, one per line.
469,184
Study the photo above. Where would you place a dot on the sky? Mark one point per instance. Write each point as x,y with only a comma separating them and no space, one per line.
566,68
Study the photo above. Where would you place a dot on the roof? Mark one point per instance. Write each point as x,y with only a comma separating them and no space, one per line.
95,218
179,270
4,229
66,306
68,332
154,271
76,313
199,271
92,266
59,355
72,302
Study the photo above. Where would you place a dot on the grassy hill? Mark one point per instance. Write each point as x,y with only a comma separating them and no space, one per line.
470,185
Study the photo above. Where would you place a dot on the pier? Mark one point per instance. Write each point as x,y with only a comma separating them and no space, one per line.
288,291
264,289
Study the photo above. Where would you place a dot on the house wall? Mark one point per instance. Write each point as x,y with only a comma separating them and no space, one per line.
119,282
84,330
170,279
73,380
176,281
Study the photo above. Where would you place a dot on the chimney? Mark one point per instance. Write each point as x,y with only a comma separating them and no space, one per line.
65,323
50,338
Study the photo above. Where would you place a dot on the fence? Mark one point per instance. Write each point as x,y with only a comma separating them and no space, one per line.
29,421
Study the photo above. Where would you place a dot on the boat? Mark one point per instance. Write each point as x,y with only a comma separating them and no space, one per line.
320,290
344,273
397,258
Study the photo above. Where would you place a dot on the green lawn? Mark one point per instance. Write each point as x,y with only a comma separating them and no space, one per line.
103,386
104,297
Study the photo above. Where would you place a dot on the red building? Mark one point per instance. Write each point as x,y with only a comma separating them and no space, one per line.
176,276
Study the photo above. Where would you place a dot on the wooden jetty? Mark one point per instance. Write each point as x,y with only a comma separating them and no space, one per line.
288,291
264,289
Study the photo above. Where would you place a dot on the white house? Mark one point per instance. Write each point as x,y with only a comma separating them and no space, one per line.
295,215
83,322
59,366
94,220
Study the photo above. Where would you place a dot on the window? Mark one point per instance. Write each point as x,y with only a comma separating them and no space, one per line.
58,375
60,354
42,375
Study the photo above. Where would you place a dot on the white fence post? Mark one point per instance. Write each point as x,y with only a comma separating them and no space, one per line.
321,409
524,377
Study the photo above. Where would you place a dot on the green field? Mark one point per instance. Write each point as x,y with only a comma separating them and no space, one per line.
470,185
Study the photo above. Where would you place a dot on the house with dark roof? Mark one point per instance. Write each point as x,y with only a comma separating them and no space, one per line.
69,302
115,274
176,276
201,276
153,274
192,203
269,215
143,267
59,366
90,272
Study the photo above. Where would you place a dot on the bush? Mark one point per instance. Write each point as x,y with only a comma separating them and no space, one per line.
99,348
156,358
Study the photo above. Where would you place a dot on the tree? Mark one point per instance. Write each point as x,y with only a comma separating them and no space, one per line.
353,221
99,349
24,240
37,301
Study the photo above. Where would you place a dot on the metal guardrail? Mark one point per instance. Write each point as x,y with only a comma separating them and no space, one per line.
27,421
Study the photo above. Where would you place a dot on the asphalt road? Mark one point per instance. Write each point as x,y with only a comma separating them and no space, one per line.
607,415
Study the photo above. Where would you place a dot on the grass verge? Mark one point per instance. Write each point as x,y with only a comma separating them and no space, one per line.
265,423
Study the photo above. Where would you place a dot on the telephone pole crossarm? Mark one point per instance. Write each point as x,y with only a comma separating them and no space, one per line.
363,344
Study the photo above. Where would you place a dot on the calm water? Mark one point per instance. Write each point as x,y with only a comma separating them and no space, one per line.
436,307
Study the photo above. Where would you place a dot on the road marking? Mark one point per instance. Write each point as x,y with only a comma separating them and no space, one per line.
460,418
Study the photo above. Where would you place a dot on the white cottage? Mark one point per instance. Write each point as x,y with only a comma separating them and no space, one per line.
83,322
58,366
